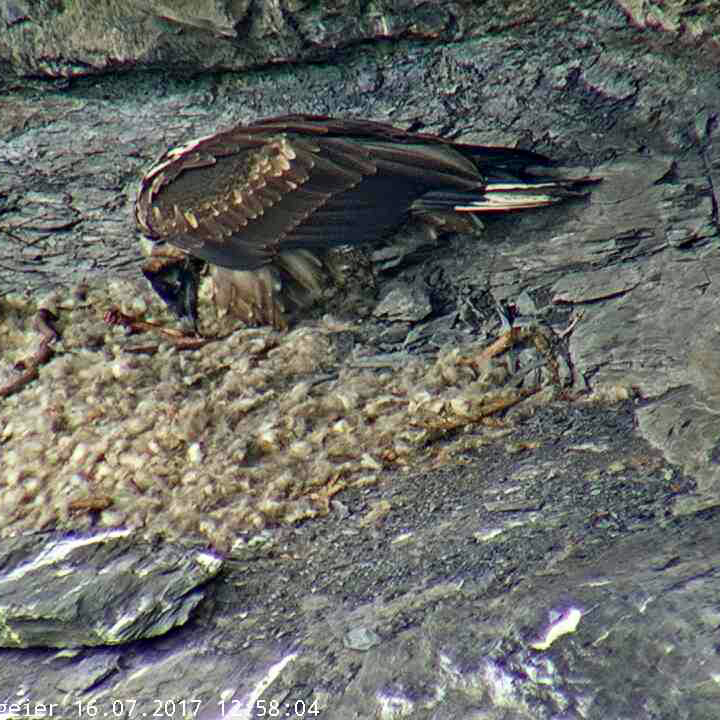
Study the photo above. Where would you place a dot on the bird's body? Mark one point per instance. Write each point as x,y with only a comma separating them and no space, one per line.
262,204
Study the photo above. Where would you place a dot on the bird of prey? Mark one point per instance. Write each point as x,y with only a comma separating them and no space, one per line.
263,204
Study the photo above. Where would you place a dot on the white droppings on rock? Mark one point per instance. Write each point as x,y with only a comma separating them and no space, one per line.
341,427
122,369
195,453
79,454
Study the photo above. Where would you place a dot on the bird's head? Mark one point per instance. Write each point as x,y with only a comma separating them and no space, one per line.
175,277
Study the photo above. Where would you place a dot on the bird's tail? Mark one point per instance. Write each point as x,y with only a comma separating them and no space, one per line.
505,196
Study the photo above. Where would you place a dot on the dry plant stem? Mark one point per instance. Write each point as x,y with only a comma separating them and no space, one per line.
562,335
176,337
43,324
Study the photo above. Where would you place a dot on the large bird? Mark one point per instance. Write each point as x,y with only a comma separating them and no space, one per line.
262,204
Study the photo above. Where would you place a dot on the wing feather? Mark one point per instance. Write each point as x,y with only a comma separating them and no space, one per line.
263,203
241,197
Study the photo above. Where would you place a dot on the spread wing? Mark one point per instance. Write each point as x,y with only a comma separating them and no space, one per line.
239,198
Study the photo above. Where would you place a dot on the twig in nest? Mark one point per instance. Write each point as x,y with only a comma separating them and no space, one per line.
30,368
178,338
90,503
563,334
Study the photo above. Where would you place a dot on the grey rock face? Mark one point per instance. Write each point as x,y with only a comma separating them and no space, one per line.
561,563
403,302
96,589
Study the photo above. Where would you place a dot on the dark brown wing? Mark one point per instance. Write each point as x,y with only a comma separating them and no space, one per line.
238,198
262,203
492,161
